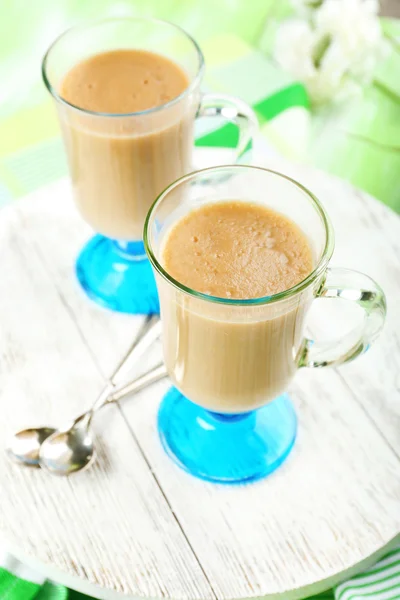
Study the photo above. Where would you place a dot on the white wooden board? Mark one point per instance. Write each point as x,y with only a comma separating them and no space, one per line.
135,526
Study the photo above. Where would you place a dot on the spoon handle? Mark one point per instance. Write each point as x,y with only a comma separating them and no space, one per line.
112,394
148,333
151,376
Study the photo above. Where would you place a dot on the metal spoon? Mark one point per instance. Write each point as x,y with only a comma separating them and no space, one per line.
72,449
24,446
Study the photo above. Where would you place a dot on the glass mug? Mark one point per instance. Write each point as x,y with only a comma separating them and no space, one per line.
228,418
119,163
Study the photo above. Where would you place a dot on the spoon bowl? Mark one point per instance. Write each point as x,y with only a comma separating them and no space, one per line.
69,451
72,449
24,446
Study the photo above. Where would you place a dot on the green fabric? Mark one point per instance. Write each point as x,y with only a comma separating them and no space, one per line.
50,591
266,109
288,97
381,581
76,596
12,587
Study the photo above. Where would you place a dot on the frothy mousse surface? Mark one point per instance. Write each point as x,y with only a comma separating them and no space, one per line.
237,249
123,81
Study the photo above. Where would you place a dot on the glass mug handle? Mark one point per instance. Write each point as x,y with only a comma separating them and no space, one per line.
354,287
235,111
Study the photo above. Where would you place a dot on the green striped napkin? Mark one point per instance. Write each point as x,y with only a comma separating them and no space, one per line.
382,582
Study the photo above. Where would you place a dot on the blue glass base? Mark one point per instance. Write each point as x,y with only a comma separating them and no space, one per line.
118,276
226,448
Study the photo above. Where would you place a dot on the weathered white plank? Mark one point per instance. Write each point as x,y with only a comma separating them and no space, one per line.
54,228
46,375
333,503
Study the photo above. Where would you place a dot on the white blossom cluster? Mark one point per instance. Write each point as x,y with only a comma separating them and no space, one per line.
332,46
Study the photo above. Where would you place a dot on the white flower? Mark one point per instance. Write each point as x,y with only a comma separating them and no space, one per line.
334,50
294,47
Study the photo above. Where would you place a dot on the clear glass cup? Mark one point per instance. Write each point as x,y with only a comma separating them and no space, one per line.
119,163
228,418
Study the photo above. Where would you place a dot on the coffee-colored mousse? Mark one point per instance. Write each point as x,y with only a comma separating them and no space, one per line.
123,81
227,357
119,163
237,249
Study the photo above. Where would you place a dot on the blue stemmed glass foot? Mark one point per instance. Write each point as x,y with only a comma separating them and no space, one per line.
226,448
118,276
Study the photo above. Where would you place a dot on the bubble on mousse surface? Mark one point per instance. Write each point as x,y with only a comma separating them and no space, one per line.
283,259
239,258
